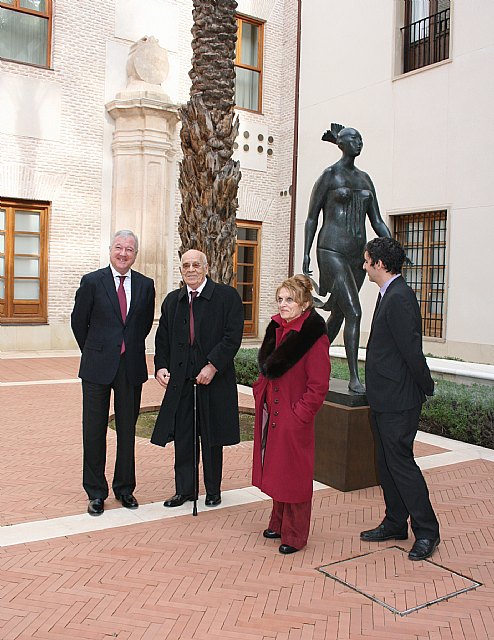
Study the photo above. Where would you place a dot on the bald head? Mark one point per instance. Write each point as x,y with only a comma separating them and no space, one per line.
194,268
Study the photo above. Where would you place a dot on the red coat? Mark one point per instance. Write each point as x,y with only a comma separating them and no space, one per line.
298,368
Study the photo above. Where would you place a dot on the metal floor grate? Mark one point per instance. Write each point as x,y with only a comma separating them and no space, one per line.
388,577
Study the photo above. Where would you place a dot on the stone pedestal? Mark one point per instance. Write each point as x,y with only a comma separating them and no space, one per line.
344,445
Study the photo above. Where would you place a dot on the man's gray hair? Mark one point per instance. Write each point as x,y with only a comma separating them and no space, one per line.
125,233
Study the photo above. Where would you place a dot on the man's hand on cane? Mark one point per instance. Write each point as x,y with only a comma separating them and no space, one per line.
206,374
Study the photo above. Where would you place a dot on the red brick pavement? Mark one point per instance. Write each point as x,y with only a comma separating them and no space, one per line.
41,429
28,369
215,576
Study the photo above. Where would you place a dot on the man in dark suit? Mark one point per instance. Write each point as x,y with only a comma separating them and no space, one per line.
113,313
397,382
199,333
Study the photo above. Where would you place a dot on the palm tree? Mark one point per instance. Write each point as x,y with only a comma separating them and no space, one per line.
209,177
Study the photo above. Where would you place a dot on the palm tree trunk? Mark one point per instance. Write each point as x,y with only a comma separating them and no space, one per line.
209,177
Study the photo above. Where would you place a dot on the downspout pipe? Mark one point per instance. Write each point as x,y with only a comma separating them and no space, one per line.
291,255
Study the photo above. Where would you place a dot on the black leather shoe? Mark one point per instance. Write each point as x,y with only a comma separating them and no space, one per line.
177,500
213,499
128,501
380,533
286,548
96,507
269,533
423,548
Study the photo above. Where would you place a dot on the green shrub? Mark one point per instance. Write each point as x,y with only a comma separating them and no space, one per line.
246,366
339,370
461,412
247,369
456,411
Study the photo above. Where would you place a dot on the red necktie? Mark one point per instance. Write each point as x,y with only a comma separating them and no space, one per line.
122,301
193,294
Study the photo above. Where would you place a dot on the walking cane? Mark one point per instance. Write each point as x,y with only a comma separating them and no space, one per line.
196,471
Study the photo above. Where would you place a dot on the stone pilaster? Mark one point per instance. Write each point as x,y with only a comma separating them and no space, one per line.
144,148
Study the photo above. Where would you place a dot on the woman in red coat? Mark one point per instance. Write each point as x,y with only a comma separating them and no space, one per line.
292,385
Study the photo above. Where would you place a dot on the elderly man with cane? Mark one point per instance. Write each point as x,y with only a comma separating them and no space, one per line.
199,333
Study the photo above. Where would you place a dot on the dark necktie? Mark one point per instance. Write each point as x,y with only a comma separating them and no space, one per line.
122,301
193,295
379,297
373,317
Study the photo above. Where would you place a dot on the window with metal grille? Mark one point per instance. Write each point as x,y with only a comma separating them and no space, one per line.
426,33
423,236
248,64
25,31
23,262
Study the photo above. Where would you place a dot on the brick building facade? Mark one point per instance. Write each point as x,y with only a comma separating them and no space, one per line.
57,133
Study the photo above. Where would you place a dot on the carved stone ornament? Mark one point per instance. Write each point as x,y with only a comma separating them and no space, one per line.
147,63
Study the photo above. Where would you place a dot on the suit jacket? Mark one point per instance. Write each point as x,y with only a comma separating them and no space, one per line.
98,327
397,377
218,328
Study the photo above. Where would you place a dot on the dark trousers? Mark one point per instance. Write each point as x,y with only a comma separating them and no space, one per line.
212,456
292,521
405,490
95,409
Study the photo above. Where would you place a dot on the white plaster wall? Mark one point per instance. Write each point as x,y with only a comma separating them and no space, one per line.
30,107
420,140
470,291
135,19
428,141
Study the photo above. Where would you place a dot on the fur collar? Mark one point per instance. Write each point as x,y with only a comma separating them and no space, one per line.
274,362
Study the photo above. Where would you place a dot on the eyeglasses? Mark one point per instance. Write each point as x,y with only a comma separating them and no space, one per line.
193,265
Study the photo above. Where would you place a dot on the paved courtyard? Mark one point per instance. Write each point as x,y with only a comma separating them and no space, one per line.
160,574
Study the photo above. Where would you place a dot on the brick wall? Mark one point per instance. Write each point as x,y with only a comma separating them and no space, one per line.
78,60
78,232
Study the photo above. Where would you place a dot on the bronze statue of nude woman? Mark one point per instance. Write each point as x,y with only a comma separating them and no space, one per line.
346,195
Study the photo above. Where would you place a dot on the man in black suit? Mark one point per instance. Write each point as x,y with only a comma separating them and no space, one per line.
397,382
199,333
113,313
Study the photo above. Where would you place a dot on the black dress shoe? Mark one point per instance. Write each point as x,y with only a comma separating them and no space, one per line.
380,533
177,500
213,499
128,501
286,548
96,507
423,548
269,533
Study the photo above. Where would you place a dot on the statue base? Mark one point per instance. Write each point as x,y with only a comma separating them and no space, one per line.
344,445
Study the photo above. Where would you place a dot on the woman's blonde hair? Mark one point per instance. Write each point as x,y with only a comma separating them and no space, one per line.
300,287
